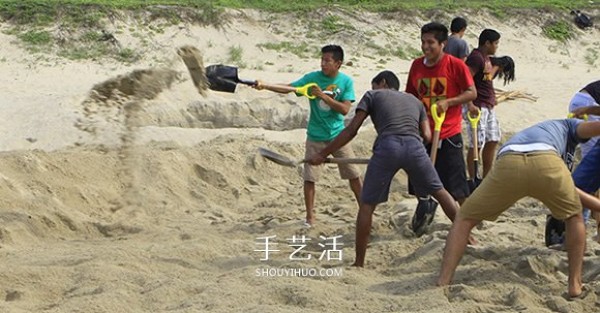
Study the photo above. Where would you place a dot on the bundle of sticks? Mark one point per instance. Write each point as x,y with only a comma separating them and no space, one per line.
504,95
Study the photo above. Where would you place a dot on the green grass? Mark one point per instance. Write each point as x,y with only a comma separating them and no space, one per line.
36,38
387,5
235,53
81,21
210,11
91,12
558,30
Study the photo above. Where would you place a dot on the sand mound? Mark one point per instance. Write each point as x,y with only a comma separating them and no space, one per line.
165,214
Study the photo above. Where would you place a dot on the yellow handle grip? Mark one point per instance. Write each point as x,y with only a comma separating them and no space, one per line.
304,90
474,120
571,115
437,119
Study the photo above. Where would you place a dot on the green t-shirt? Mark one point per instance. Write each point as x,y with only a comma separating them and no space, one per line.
324,123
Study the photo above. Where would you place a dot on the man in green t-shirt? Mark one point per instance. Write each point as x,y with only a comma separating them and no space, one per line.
334,95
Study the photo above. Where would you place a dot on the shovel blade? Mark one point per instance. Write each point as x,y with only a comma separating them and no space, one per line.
277,158
222,77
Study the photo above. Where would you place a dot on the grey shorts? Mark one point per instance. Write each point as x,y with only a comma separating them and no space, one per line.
312,173
390,154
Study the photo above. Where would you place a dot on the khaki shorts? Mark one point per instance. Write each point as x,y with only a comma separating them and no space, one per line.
541,175
311,172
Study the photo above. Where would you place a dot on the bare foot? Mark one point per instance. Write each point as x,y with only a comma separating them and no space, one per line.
356,265
578,292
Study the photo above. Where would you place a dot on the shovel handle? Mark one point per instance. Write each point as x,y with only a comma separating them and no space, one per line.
438,119
304,90
474,120
434,146
249,82
343,161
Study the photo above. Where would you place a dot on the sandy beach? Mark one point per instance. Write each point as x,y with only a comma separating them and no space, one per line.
157,201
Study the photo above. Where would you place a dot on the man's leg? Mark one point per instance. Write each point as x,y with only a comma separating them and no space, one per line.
309,201
356,187
451,168
575,244
448,204
487,155
363,230
455,248
311,175
491,136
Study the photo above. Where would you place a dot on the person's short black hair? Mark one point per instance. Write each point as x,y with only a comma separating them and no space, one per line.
488,35
337,51
390,78
458,24
439,31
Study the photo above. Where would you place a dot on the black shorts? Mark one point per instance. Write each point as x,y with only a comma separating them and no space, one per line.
450,166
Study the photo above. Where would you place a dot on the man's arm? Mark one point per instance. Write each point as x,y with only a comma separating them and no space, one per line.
473,109
342,139
588,129
426,131
590,110
469,94
279,88
342,107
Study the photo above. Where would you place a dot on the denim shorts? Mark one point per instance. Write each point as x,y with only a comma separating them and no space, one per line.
390,154
587,174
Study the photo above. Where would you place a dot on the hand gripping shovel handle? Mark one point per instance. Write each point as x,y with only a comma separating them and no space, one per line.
438,121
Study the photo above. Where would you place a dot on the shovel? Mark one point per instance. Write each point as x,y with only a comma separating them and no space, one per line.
476,179
225,78
427,206
285,161
438,121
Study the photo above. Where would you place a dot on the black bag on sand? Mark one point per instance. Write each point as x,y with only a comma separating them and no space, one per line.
582,20
423,216
555,231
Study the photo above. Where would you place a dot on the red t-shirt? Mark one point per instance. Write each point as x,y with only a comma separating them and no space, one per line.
447,79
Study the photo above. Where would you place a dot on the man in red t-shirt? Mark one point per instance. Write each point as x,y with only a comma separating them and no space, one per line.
439,78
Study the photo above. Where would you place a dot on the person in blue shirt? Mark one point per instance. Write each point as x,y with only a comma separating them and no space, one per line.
334,94
532,163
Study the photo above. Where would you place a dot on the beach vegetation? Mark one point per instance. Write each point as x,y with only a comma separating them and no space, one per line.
298,48
558,30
